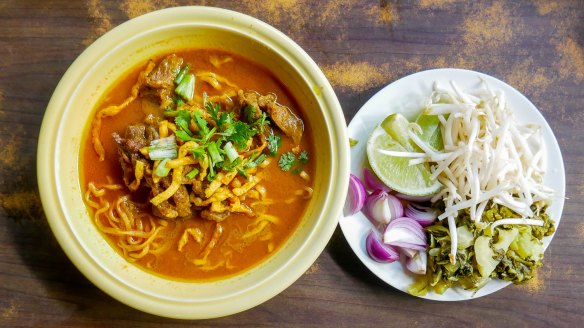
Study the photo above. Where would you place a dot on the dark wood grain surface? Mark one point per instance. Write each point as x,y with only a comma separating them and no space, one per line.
536,46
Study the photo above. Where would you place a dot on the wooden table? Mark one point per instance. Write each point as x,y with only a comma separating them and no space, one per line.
536,46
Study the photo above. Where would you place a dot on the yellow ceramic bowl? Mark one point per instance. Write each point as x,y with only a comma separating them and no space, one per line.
73,105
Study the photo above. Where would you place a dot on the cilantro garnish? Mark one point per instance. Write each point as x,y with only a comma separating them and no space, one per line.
303,157
286,161
274,142
216,143
213,109
289,162
182,120
199,153
250,113
202,124
261,122
183,135
242,134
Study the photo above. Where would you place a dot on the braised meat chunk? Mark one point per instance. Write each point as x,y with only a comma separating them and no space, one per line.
285,119
164,73
136,137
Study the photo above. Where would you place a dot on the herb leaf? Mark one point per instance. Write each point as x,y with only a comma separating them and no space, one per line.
199,153
213,110
202,124
274,142
261,123
242,132
250,113
303,157
286,161
184,136
182,120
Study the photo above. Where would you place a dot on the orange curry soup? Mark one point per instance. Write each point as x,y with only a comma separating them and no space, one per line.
244,241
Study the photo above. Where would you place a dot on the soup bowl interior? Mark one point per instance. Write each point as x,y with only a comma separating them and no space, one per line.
73,106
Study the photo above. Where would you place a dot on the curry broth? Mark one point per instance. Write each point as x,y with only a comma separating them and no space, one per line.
235,254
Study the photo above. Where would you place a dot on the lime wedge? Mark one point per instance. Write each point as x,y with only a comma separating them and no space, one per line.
431,133
396,125
394,171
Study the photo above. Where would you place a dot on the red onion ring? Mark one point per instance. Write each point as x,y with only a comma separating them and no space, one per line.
425,216
356,196
405,232
381,207
378,251
372,182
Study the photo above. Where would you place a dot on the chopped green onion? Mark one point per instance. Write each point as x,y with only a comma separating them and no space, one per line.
192,174
353,142
211,176
158,154
242,172
170,113
163,142
181,74
230,151
161,169
231,166
186,87
256,161
163,148
214,153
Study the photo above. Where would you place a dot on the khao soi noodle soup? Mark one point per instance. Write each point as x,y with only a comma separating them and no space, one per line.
197,165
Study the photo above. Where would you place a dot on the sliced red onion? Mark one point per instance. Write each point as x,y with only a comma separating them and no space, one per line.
425,216
419,199
381,207
379,251
372,182
356,196
405,232
408,252
417,264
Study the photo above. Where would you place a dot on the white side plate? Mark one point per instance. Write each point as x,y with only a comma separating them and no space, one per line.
407,96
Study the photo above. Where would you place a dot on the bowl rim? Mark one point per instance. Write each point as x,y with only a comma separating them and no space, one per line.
48,182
